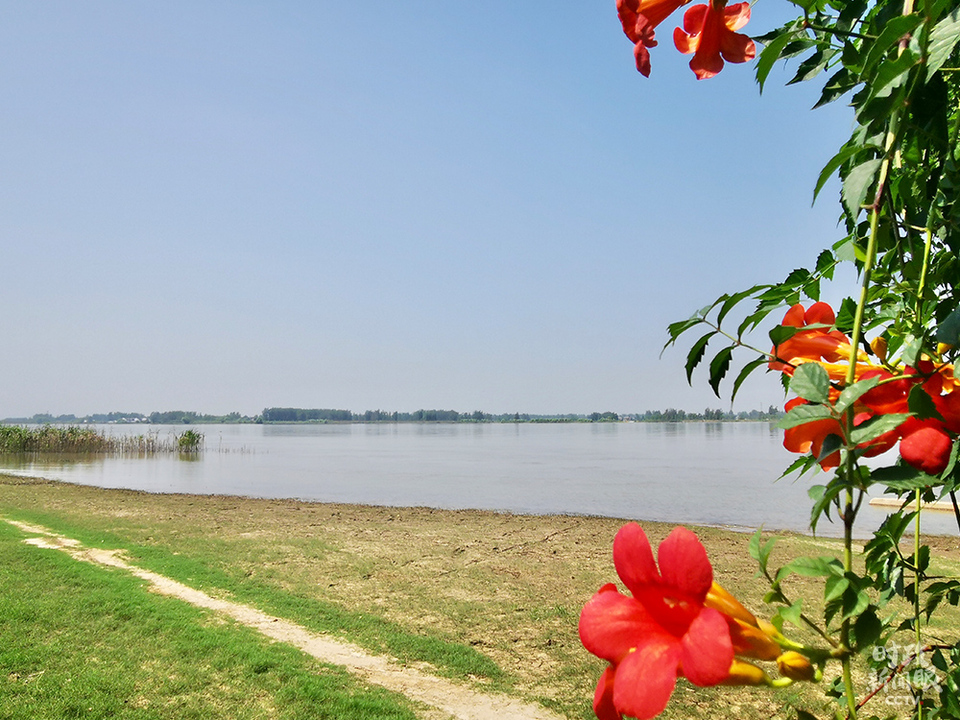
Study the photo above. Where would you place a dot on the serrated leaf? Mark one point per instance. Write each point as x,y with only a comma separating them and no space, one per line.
731,301
676,329
718,368
889,76
877,426
854,602
761,553
949,330
822,566
836,86
811,382
854,392
835,586
902,477
921,404
793,613
889,37
769,56
696,354
867,629
744,373
803,414
825,263
831,444
943,38
833,165
802,463
857,184
822,501
910,350
781,333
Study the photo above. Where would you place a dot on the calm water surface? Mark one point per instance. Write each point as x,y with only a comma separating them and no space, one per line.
698,473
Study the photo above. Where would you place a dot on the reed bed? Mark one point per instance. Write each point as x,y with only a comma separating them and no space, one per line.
80,440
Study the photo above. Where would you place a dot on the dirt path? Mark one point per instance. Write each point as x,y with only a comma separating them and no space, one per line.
451,699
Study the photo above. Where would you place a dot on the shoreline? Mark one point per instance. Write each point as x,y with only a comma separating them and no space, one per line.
509,586
884,502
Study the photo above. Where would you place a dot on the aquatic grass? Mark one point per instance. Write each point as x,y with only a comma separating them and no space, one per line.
75,440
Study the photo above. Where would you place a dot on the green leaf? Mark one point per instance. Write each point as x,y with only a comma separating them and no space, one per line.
696,354
949,330
770,55
877,426
889,37
744,372
889,76
854,392
854,602
792,614
781,333
731,301
867,629
921,404
943,38
826,263
718,368
902,477
834,588
823,566
857,184
802,463
836,86
831,444
833,165
803,414
761,553
910,351
811,382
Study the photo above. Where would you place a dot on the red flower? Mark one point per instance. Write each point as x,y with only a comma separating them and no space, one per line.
659,633
708,32
639,19
810,437
813,344
925,445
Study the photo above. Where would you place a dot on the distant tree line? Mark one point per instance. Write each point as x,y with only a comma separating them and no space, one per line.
323,415
674,415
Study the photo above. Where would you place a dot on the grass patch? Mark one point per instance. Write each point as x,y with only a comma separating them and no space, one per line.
79,641
493,599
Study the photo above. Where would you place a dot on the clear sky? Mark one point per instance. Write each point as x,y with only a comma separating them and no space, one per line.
220,206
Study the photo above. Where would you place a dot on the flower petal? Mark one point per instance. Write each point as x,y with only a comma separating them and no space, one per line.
611,624
684,564
646,678
925,446
735,17
633,559
603,706
706,650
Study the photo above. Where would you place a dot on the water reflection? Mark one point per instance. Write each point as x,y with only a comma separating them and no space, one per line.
699,473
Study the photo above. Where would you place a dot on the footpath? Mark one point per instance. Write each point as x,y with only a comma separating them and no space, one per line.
446,698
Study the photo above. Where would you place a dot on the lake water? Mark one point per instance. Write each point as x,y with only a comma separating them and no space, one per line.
697,473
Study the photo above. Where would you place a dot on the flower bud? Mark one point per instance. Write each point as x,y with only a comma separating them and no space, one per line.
795,666
753,642
744,673
879,347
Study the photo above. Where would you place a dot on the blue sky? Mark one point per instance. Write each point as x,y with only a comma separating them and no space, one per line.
222,206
